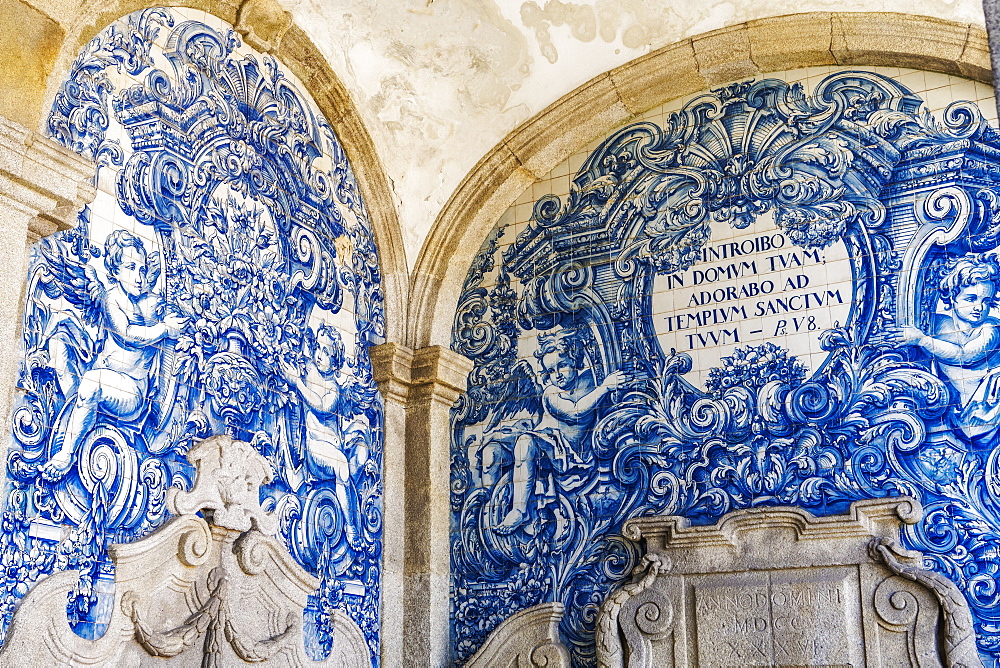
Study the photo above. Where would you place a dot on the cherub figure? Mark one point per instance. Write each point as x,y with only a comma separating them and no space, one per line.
134,319
966,345
326,446
569,400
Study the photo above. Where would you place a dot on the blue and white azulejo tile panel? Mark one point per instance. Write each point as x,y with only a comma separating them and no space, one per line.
224,280
782,291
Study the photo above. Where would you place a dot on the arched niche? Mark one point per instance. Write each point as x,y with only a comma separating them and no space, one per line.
224,280
269,29
595,108
745,298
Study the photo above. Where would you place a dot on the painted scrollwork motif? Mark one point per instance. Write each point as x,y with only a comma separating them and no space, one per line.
225,281
576,418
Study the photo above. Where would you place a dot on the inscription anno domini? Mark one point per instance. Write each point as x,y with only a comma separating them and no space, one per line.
763,619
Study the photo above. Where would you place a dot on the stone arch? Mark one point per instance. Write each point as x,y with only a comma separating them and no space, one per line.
268,28
611,99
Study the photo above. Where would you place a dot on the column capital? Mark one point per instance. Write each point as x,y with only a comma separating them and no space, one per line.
43,179
443,368
391,363
436,371
419,387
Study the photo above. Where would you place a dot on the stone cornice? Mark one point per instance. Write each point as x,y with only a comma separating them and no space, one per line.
434,372
878,517
391,364
42,179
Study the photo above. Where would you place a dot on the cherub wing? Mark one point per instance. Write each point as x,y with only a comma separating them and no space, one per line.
518,392
63,275
360,392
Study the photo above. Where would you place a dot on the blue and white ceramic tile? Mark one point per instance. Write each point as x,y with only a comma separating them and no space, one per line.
224,280
774,293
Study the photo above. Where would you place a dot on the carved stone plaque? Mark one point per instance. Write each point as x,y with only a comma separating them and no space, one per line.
815,618
733,616
779,587
798,618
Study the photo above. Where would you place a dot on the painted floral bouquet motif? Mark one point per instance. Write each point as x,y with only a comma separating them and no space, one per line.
876,414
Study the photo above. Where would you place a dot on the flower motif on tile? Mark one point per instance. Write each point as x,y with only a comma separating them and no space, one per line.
776,297
224,281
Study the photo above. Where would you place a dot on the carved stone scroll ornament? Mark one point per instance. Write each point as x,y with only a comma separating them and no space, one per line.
528,639
215,592
652,614
959,635
778,586
232,492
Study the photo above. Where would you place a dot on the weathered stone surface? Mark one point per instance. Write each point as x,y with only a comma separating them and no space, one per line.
724,55
197,592
25,61
642,83
263,23
882,39
545,144
975,60
800,38
529,638
780,587
419,387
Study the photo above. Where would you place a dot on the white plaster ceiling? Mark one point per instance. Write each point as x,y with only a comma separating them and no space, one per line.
440,82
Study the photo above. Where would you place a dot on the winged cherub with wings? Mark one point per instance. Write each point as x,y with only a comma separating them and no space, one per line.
570,398
331,453
134,318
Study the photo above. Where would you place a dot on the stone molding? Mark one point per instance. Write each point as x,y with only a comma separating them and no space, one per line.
528,638
611,99
876,518
419,387
209,589
885,601
434,373
391,363
959,633
41,179
263,23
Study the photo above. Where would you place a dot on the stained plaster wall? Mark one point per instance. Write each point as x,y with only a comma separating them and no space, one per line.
540,487
440,84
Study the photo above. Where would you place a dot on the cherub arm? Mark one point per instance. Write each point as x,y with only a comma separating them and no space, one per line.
985,341
133,334
325,403
571,411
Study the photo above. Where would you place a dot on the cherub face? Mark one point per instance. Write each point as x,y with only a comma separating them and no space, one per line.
560,369
323,357
973,303
131,274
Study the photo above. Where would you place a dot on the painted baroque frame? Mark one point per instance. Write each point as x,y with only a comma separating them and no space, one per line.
253,236
856,160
